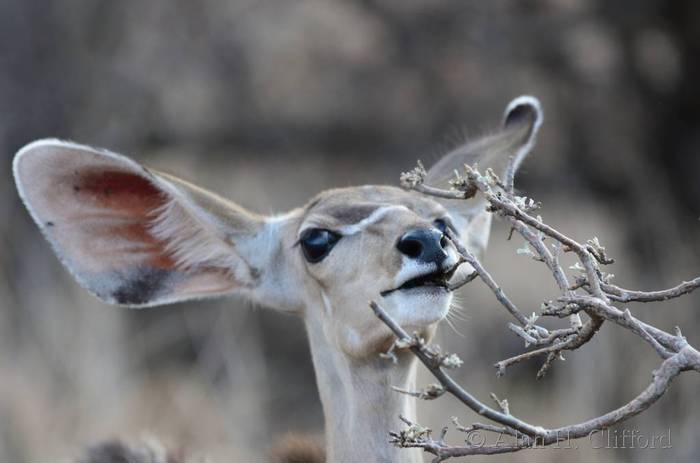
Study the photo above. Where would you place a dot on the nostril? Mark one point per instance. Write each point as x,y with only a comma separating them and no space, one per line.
410,246
424,244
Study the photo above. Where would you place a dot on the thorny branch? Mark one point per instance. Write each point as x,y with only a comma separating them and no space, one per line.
591,294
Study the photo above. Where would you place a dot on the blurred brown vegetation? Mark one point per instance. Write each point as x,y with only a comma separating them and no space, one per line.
270,102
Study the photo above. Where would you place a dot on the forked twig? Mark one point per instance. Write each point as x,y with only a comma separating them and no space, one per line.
591,294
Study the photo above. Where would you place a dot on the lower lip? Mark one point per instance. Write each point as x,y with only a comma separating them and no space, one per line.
432,289
426,289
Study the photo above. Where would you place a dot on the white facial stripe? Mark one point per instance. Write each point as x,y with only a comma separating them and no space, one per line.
374,217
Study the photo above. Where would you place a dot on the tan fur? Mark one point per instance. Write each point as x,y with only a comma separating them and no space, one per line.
119,451
139,237
294,448
291,448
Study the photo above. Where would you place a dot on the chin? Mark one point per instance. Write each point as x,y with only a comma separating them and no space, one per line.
419,307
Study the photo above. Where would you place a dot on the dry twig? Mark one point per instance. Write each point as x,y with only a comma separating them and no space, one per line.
591,294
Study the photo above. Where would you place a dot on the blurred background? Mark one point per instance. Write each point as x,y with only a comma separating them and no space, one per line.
313,94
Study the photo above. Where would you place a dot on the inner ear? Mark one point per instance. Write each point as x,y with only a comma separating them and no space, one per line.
117,190
129,204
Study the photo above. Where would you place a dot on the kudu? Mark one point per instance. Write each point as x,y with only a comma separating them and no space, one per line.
137,237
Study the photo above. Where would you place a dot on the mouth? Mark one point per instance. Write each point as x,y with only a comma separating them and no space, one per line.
438,279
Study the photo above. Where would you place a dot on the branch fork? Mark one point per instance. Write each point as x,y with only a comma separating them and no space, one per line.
591,295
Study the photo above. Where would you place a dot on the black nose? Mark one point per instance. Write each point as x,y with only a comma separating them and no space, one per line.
423,244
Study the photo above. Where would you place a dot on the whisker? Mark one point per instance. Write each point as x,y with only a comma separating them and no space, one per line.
457,315
457,311
454,328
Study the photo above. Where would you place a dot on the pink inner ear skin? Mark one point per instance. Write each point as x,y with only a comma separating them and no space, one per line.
128,195
119,190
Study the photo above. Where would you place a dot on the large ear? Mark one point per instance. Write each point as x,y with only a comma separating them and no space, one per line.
131,235
502,151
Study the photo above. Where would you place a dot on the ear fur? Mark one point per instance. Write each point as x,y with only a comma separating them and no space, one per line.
502,151
521,121
130,235
524,116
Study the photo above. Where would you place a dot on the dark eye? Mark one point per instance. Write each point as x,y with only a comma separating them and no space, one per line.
317,243
441,225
